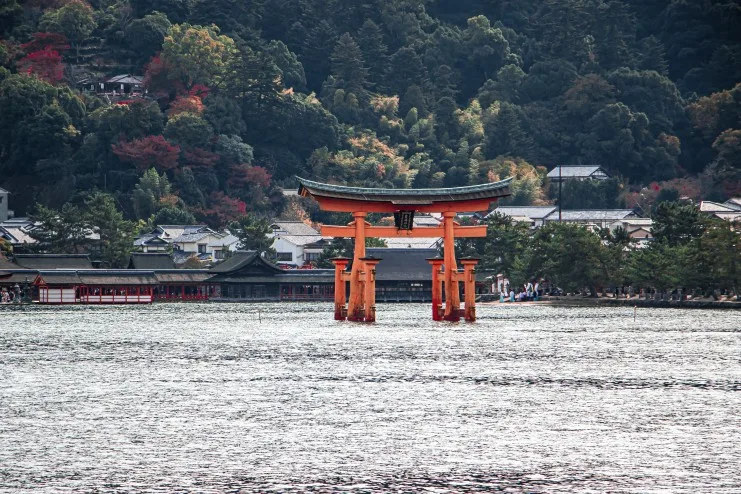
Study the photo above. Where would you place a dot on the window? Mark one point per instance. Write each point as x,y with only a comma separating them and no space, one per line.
219,254
201,248
285,256
311,256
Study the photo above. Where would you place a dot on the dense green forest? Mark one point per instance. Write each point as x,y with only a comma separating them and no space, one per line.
245,95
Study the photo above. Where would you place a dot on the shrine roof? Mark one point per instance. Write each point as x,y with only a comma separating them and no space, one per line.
492,191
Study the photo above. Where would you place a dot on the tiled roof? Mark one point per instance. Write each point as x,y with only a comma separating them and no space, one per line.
191,237
574,171
224,241
406,196
54,261
300,240
714,207
182,275
534,212
18,235
733,202
403,264
590,214
283,228
241,259
126,79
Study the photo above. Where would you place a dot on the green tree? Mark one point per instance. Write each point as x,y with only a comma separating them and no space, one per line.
675,223
252,233
173,216
349,69
116,233
64,231
505,241
75,20
146,35
291,69
199,55
149,192
375,51
188,130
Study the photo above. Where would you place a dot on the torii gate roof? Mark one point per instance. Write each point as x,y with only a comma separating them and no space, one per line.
343,198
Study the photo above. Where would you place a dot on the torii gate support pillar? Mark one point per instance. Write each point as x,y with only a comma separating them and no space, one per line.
370,287
355,307
452,292
437,288
469,287
340,278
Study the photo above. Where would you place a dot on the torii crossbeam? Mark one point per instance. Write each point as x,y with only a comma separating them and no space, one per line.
403,203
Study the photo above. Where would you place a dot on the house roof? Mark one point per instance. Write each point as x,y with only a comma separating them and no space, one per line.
117,277
187,238
126,79
17,234
54,261
733,202
301,240
60,277
426,220
19,276
591,214
149,239
533,212
241,259
3,191
583,171
282,228
182,275
714,207
169,232
6,264
141,260
403,264
418,197
224,241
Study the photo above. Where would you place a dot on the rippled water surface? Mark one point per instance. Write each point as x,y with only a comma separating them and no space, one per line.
216,397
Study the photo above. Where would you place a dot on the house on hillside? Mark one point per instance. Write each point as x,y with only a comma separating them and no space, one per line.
186,241
125,84
534,216
589,172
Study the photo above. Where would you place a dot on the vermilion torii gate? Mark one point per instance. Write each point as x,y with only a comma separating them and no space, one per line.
403,203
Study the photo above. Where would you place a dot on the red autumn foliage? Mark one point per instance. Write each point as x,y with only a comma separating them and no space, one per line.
223,209
158,78
41,41
186,104
46,64
125,102
148,152
242,175
200,158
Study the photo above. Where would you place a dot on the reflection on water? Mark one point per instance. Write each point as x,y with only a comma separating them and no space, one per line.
206,398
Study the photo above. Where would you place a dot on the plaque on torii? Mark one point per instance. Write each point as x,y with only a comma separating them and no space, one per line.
403,203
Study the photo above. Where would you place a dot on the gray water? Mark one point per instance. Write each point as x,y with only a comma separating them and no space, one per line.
208,398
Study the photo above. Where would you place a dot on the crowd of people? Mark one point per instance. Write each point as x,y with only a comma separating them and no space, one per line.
529,291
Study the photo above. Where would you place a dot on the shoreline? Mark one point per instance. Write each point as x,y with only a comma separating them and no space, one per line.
622,302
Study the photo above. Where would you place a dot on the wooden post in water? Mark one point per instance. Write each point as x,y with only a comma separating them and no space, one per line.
370,287
437,288
340,267
469,287
355,306
452,293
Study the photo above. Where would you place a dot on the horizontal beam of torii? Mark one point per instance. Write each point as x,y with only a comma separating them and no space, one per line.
391,231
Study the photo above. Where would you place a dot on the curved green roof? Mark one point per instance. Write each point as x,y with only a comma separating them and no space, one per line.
492,190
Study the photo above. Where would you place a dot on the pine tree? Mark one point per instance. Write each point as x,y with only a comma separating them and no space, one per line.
348,68
370,40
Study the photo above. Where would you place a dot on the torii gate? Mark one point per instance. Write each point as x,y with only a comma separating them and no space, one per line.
403,203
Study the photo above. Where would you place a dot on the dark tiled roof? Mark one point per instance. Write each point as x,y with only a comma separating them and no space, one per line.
241,259
406,196
151,261
403,264
61,277
116,277
6,264
183,276
54,261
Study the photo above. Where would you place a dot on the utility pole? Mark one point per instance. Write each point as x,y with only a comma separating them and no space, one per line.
560,182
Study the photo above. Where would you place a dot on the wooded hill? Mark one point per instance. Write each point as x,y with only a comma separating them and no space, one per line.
245,95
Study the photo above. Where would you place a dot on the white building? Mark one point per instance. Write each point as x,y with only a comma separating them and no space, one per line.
296,243
728,211
16,231
532,215
600,218
186,241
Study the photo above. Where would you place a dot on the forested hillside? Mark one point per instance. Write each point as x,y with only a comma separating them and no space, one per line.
245,95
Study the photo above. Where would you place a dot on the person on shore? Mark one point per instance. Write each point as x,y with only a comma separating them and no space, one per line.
511,295
536,290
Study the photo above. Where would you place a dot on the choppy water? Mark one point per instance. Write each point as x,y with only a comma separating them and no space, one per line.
206,398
